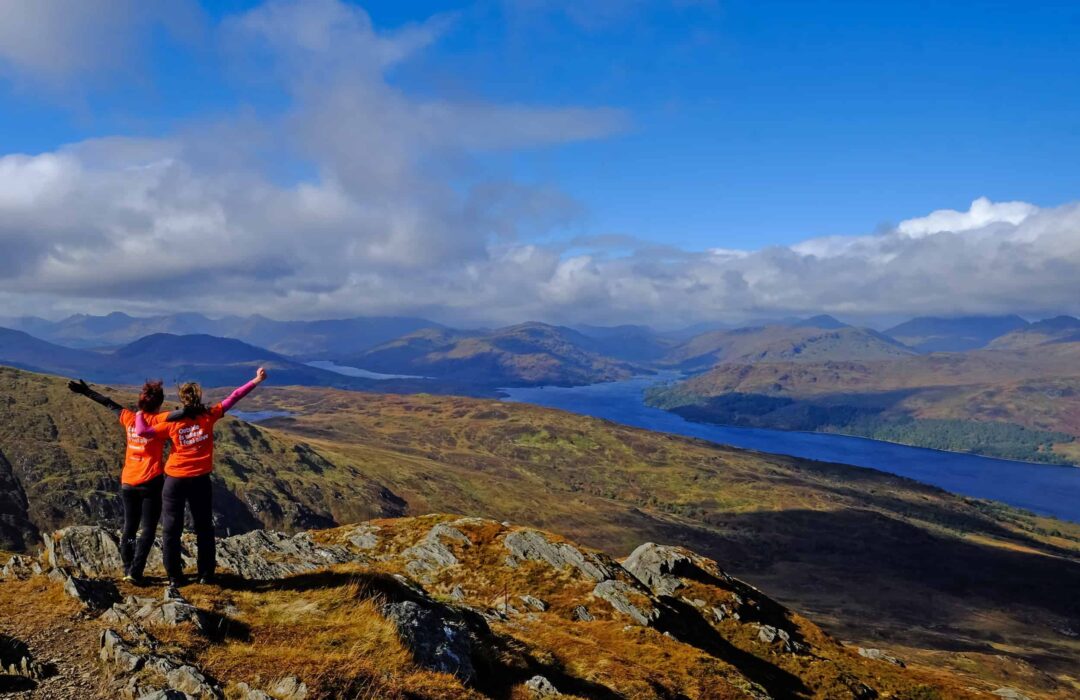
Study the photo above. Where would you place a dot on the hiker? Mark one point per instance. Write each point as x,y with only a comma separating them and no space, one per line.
187,473
142,477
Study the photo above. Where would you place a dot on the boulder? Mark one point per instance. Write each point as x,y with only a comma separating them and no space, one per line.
535,546
93,594
540,687
20,568
438,638
534,603
89,550
582,614
663,568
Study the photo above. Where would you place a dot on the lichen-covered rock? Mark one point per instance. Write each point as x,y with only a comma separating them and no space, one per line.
88,550
438,638
431,554
630,601
20,568
540,687
364,536
263,555
535,546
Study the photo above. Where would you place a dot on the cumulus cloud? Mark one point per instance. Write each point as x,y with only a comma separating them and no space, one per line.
983,212
390,215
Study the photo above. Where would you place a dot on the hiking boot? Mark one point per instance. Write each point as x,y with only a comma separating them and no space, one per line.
134,580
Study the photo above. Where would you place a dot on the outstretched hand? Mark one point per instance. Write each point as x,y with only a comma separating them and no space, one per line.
260,376
79,387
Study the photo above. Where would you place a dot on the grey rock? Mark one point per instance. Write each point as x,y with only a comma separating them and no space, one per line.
117,653
364,536
1010,694
20,568
881,655
770,635
190,680
629,601
263,555
246,692
88,550
96,595
582,614
535,546
540,687
534,603
438,639
662,568
290,688
431,553
457,593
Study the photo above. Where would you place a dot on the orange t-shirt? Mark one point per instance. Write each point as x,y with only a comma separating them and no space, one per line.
192,442
142,458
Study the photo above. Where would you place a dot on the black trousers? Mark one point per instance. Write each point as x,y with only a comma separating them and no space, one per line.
197,493
142,510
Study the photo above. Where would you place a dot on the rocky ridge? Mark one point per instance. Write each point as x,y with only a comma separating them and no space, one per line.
490,609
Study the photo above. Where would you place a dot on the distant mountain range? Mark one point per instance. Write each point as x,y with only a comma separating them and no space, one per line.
308,340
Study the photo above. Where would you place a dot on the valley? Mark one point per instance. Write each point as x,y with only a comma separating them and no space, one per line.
878,560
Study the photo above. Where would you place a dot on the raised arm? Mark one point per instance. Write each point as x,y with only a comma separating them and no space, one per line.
81,387
232,399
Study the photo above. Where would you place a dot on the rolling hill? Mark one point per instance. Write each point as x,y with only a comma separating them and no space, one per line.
525,354
1060,329
878,560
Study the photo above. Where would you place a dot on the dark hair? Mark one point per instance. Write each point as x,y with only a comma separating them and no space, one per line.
191,397
151,397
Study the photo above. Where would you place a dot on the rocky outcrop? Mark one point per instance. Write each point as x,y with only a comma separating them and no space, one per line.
666,569
264,555
536,546
438,638
431,553
629,600
89,550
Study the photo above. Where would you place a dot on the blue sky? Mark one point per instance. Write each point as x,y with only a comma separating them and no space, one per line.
726,124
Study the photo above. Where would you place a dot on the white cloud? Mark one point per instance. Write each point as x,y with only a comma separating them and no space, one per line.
983,212
397,218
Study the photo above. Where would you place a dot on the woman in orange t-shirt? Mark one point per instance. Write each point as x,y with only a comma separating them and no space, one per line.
187,473
142,478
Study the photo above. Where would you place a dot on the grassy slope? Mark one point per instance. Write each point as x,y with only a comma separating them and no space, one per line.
878,558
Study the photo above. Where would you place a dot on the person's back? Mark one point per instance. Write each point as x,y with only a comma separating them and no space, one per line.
187,473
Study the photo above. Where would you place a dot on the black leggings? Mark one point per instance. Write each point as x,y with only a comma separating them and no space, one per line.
197,493
142,506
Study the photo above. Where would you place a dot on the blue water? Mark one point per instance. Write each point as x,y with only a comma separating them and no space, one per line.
357,372
1045,489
